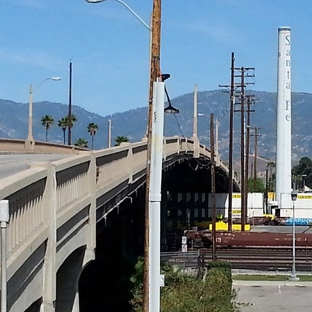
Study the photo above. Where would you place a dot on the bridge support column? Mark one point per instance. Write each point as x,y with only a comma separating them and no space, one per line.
49,270
90,252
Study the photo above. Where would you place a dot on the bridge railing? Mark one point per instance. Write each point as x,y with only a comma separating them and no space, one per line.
50,202
19,146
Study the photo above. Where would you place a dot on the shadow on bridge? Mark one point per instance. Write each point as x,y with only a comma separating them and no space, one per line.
105,283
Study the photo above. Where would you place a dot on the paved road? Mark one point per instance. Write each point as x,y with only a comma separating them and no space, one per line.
274,296
14,163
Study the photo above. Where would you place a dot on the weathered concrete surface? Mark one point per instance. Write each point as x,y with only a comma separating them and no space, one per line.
274,296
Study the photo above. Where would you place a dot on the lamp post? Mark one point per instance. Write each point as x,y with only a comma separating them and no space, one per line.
4,219
30,143
303,182
293,276
149,296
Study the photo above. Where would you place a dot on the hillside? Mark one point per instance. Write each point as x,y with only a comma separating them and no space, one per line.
132,123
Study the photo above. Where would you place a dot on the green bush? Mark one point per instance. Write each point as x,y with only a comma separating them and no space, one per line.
186,293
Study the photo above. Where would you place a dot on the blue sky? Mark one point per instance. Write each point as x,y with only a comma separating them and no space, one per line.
109,48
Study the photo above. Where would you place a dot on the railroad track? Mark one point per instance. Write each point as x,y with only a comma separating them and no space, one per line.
274,259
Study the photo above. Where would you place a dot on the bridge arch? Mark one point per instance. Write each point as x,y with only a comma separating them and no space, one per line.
56,207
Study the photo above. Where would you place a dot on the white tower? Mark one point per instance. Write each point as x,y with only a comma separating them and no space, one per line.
283,146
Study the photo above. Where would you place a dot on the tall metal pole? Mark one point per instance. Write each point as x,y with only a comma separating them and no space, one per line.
4,219
30,139
109,138
70,104
293,272
293,275
155,197
213,189
232,101
154,74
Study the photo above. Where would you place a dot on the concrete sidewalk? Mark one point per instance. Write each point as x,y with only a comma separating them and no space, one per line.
272,296
272,283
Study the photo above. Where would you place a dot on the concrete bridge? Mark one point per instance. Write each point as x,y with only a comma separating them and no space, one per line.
56,209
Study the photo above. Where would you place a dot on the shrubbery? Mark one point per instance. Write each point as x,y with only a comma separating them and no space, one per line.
210,291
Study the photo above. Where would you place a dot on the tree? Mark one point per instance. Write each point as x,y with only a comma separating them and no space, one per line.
256,186
73,120
121,139
47,121
271,181
92,128
303,169
63,123
81,143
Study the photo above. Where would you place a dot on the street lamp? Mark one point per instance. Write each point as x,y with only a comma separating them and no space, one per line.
30,143
217,132
293,276
303,182
125,5
151,299
4,220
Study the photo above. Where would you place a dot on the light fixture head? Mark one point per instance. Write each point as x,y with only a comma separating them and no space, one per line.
94,1
165,77
171,110
55,78
294,195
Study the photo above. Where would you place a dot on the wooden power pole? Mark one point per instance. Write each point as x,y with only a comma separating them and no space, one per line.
213,189
231,130
154,75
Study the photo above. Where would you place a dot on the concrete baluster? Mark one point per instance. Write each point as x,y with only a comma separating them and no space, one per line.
90,253
130,163
49,217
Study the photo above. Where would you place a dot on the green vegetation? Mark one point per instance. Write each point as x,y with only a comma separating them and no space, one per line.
302,173
209,291
256,185
271,182
47,121
81,143
92,128
121,139
64,123
303,278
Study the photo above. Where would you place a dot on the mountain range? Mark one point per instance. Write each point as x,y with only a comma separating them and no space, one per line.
133,123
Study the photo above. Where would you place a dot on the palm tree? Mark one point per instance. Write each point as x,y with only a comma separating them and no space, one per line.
81,143
92,128
121,139
47,121
63,123
73,120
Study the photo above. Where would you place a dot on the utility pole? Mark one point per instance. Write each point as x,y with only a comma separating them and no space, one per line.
70,104
154,75
247,147
232,102
255,154
242,110
243,74
213,189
